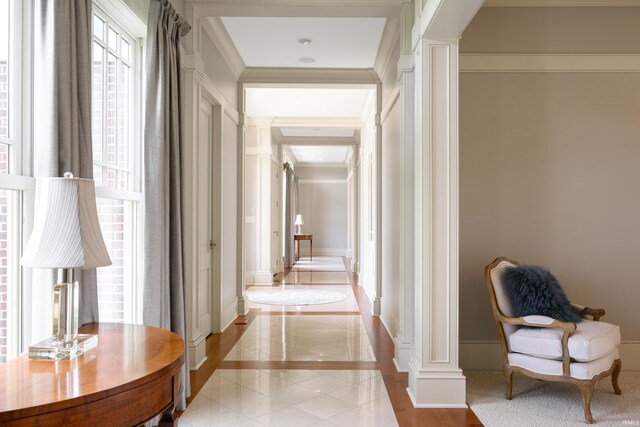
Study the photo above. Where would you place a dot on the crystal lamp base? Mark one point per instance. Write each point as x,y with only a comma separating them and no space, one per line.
51,349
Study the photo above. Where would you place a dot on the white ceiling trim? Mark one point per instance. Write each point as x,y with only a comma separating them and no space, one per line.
560,3
302,76
388,40
295,8
555,63
292,140
218,34
305,122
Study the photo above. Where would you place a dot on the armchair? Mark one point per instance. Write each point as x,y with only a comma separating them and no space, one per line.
551,350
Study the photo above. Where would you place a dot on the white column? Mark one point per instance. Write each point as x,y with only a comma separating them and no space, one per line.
263,215
240,272
377,185
435,379
404,337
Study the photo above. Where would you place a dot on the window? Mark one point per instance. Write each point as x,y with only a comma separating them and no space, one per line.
117,141
14,188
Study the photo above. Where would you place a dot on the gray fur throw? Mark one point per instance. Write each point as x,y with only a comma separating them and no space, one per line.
533,290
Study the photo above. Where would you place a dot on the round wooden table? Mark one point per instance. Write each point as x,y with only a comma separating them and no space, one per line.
131,376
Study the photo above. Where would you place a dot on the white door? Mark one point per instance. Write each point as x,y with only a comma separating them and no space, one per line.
205,237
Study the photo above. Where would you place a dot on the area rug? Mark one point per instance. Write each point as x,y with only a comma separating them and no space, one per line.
295,297
546,404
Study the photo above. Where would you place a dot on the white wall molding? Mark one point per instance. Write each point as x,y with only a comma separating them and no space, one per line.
390,103
292,76
218,34
435,379
258,151
390,35
549,63
405,64
561,3
317,140
296,8
487,355
306,122
229,314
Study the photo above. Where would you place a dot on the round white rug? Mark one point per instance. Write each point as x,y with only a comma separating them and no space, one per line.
295,297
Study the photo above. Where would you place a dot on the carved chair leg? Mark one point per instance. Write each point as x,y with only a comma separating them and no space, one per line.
587,393
614,376
508,376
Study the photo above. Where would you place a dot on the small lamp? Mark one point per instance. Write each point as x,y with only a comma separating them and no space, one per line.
66,236
299,223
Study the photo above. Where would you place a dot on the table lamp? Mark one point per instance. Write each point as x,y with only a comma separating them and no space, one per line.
66,236
299,223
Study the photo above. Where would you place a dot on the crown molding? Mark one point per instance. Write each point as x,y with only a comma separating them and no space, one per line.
293,76
554,63
296,8
389,38
560,3
221,39
318,122
277,135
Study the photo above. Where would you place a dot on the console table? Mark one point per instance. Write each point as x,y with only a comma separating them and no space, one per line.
296,243
130,377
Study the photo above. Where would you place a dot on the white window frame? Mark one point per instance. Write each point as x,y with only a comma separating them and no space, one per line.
20,177
117,14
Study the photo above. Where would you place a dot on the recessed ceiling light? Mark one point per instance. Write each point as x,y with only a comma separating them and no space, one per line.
307,60
304,41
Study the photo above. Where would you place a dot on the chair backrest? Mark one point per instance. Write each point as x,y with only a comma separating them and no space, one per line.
500,302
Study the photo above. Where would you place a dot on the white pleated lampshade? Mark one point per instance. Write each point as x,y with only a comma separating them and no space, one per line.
66,233
299,220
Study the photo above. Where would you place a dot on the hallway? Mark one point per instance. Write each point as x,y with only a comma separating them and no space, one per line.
310,365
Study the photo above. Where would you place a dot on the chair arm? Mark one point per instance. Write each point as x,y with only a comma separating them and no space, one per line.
547,322
596,313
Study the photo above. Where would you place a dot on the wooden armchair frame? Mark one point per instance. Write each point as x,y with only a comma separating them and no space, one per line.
586,386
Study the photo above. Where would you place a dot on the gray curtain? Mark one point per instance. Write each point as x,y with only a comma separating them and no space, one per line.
62,112
291,209
164,287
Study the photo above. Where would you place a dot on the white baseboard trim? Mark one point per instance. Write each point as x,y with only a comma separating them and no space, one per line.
229,314
436,387
402,354
324,252
262,277
487,355
390,331
250,277
197,352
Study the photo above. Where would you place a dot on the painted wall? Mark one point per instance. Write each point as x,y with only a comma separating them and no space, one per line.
549,167
367,208
323,205
218,71
229,210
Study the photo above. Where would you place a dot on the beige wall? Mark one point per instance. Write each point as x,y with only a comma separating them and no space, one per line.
553,30
549,169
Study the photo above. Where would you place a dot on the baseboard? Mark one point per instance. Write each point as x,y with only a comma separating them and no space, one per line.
389,330
262,277
229,314
487,355
197,352
436,389
250,277
325,252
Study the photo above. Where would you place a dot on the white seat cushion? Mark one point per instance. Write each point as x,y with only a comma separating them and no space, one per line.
579,370
590,341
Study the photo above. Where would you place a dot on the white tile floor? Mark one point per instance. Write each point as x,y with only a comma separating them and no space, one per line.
284,398
319,264
305,337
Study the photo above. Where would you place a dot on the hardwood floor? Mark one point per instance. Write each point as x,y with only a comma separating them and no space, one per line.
219,345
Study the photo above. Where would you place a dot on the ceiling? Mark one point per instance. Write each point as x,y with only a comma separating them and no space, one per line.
319,154
318,132
335,42
306,102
